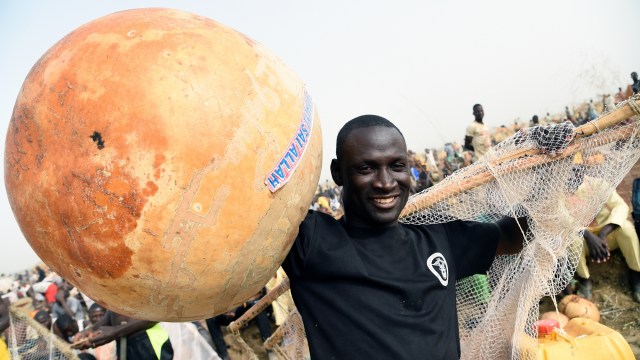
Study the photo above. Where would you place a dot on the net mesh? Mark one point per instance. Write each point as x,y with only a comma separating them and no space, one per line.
559,189
289,340
559,195
28,340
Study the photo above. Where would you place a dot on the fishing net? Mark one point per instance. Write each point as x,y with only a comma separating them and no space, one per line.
559,186
559,194
289,340
27,339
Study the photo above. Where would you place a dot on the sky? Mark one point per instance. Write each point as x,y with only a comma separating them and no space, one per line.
422,64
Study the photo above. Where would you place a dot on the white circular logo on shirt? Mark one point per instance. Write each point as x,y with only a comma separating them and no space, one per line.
438,266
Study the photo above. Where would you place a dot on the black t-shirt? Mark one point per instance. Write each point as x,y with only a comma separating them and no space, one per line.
384,293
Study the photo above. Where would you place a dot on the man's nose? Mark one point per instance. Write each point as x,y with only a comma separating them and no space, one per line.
385,179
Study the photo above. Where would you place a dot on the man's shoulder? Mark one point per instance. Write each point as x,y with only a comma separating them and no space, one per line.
319,216
317,221
474,126
437,230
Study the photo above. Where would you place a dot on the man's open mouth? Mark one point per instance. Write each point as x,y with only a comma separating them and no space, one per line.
385,201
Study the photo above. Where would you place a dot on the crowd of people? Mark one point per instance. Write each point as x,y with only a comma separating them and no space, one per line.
611,229
430,166
59,307
96,332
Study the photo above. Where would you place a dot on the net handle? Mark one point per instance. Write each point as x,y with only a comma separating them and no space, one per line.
524,159
623,111
262,304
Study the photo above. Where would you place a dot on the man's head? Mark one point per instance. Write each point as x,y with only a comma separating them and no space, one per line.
478,112
96,312
43,318
534,119
372,167
634,76
65,327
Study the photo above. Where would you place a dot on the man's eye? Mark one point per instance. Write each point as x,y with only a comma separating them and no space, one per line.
363,168
399,166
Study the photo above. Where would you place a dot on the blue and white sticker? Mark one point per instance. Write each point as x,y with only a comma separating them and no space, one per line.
293,154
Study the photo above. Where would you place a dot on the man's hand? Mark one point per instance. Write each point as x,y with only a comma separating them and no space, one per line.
104,335
598,248
94,338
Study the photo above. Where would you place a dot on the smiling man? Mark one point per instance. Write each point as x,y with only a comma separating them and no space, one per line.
369,287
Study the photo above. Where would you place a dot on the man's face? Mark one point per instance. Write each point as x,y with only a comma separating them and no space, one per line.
95,315
374,173
44,319
634,76
71,330
478,113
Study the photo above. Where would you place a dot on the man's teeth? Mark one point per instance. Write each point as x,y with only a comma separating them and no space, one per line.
384,201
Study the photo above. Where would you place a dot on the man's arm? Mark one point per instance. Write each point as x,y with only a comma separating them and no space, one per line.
62,301
597,245
467,143
511,240
106,334
105,331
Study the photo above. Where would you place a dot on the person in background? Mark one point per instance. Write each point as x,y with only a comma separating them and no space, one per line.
477,136
144,340
609,230
4,325
41,273
534,121
634,87
591,111
370,287
620,96
65,327
45,289
607,103
215,323
108,350
66,304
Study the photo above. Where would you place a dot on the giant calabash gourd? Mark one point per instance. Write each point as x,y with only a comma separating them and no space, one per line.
162,163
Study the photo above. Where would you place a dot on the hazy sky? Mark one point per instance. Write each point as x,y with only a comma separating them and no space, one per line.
422,64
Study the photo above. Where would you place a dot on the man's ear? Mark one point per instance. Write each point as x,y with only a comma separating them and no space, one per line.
336,173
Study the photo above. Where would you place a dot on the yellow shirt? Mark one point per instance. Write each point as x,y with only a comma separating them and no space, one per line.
615,209
481,140
4,351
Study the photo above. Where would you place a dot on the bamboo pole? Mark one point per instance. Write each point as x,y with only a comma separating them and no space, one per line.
262,304
470,177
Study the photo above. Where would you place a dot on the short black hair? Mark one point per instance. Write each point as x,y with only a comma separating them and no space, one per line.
42,315
95,306
86,356
363,121
475,106
64,321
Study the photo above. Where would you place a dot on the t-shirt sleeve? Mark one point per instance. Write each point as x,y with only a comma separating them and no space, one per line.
293,264
471,131
473,245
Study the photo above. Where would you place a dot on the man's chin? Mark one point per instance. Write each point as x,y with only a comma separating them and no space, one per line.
387,219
